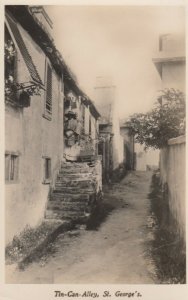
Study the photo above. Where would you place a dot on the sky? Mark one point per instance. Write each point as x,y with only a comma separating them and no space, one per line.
116,41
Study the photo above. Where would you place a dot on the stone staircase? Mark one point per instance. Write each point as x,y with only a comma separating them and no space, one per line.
74,193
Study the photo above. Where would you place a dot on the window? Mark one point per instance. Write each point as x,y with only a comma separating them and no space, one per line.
83,117
11,167
89,124
48,93
62,84
10,57
24,51
47,169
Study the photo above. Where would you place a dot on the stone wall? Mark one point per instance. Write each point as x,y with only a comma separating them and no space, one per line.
172,172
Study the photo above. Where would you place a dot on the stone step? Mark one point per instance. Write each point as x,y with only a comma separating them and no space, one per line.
75,175
74,179
65,206
75,184
75,190
81,176
74,187
69,197
74,164
56,214
75,168
75,171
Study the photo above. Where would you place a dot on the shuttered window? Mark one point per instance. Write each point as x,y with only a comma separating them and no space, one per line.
48,93
89,124
24,51
11,167
49,89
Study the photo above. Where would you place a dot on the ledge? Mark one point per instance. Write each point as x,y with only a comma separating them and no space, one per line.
178,140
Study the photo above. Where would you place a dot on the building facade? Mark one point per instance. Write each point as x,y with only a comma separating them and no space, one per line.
81,124
111,145
38,84
170,61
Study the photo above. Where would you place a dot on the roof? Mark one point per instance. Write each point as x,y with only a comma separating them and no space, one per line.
23,14
167,57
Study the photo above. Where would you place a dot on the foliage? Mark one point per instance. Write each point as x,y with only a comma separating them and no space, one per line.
167,247
12,87
27,240
166,120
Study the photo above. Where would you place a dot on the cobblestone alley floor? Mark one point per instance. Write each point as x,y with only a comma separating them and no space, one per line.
117,251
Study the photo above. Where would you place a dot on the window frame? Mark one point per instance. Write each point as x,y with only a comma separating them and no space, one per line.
47,180
13,167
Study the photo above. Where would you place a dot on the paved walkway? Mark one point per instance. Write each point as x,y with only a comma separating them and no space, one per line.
117,252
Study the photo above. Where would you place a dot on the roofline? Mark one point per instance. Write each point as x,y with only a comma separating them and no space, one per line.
24,15
159,61
168,59
40,9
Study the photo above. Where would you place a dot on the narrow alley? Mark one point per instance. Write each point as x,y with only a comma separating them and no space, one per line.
115,251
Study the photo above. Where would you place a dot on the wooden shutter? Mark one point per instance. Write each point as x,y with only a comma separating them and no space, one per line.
7,166
24,51
49,89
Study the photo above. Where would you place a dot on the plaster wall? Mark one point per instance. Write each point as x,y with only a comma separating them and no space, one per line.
173,75
172,172
28,133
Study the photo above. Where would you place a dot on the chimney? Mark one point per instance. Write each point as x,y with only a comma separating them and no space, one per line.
40,14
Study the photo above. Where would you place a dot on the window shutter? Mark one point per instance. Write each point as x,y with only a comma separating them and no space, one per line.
49,89
23,49
7,166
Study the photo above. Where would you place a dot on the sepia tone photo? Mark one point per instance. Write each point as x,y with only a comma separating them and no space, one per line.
94,145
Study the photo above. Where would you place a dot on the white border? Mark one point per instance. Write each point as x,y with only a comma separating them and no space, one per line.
46,291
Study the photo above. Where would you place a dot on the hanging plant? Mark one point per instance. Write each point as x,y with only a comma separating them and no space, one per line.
17,93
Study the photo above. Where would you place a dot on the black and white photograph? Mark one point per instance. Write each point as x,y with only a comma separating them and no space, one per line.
94,147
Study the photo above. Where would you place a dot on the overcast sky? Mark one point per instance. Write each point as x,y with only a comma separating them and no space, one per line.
117,41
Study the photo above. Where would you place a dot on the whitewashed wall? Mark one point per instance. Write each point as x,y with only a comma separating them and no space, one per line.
172,172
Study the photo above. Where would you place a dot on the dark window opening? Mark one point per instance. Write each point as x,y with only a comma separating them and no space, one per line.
11,167
47,169
48,93
89,124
